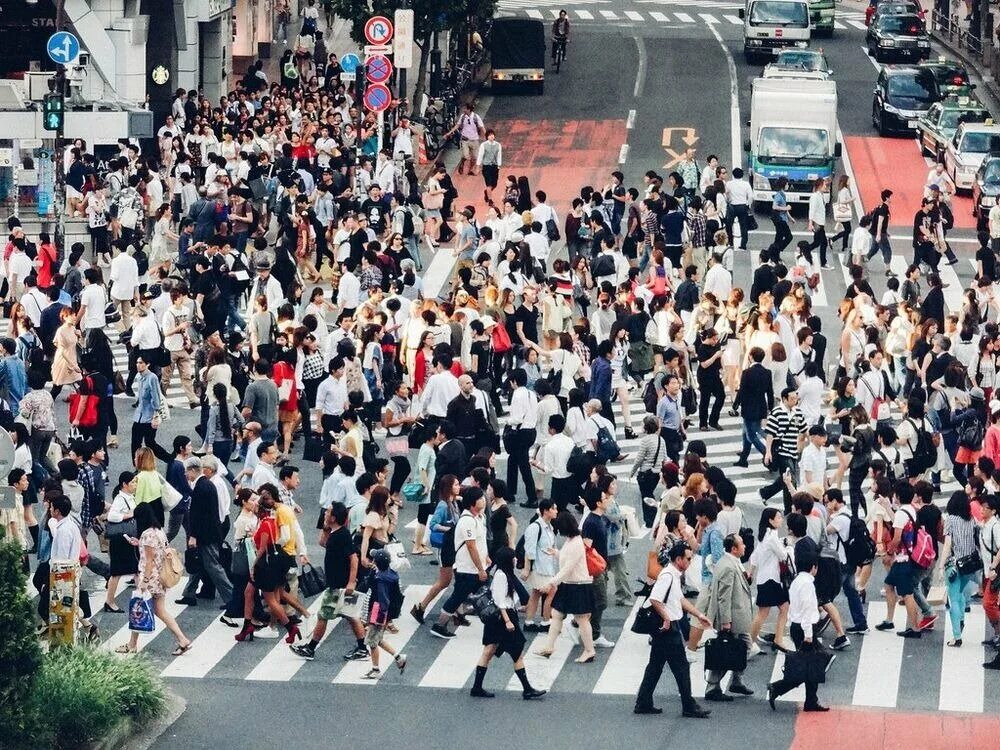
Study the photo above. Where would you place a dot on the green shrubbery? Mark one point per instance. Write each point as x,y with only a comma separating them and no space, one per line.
66,698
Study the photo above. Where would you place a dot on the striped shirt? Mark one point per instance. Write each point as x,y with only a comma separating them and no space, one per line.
963,535
785,427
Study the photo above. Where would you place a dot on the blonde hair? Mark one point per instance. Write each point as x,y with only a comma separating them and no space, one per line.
145,460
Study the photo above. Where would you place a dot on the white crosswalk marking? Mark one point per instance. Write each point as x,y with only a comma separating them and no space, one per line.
633,16
609,14
839,25
121,636
962,678
708,18
554,13
953,286
798,695
623,672
684,17
658,17
585,15
543,671
735,20
532,13
280,664
353,673
856,24
207,650
881,660
457,660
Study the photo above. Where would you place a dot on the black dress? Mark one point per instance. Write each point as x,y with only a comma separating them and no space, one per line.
124,557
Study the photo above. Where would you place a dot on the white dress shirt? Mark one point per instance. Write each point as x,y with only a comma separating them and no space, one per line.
223,491
803,607
556,455
124,277
718,281
331,396
523,409
66,539
441,389
739,193
349,292
262,474
668,591
145,334
33,302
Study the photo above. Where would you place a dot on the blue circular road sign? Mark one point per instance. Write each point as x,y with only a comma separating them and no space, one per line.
63,47
350,62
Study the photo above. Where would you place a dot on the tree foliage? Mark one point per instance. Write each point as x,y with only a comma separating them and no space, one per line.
20,654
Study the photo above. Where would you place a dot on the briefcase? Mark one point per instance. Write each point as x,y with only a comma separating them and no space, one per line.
311,581
725,652
805,666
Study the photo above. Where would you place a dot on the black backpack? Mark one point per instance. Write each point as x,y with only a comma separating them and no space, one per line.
650,398
972,434
860,547
924,452
519,558
604,265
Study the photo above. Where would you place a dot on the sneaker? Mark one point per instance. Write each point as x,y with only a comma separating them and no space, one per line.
741,463
857,629
372,674
840,643
910,633
822,625
885,625
927,623
400,662
358,653
441,632
306,651
603,642
755,650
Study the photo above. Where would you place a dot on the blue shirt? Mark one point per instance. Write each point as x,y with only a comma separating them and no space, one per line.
13,381
711,549
148,397
780,201
669,412
600,384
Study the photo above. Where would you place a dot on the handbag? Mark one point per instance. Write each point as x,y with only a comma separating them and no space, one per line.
170,573
483,604
311,581
500,339
647,620
842,212
121,528
595,563
89,416
398,560
413,492
689,400
804,666
140,615
725,652
192,562
397,445
169,496
969,564
240,567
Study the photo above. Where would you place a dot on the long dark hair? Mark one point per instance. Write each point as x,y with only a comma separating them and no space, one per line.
221,393
765,522
504,560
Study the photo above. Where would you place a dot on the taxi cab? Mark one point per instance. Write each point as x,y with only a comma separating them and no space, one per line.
902,36
937,126
804,63
967,149
952,77
986,189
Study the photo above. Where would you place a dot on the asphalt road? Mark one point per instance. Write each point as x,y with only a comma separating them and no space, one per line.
672,74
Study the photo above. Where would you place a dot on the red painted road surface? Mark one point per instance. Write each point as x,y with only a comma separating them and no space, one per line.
558,157
896,163
859,729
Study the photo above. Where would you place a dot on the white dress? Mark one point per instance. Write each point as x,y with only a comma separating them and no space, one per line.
159,247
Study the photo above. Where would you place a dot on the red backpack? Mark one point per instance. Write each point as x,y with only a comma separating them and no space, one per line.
918,543
501,339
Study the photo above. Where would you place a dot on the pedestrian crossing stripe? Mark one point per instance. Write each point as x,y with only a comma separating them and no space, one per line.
530,10
869,674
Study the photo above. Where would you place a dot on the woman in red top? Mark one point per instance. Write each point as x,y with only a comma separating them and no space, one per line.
45,260
283,375
422,362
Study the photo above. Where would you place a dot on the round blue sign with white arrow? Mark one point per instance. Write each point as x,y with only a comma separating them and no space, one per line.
63,47
350,62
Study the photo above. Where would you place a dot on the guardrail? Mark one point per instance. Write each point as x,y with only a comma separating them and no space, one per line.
956,34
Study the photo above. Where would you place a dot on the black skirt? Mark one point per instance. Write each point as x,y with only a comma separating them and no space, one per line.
272,569
124,557
511,642
574,599
771,594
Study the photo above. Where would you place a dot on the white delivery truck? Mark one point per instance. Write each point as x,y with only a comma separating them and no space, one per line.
793,134
772,25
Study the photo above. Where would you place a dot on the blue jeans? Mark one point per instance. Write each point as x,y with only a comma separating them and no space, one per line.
853,597
883,245
233,317
752,434
957,598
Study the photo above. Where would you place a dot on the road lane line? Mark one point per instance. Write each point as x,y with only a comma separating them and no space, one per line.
609,14
734,20
838,25
658,17
457,660
734,100
881,660
708,18
875,63
623,672
623,154
630,120
962,676
640,72
856,24
532,13
953,291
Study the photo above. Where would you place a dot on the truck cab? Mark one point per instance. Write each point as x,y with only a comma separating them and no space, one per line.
793,134
772,25
822,14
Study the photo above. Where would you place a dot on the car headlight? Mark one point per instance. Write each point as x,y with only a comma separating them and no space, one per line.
987,200
890,109
760,182
887,43
754,42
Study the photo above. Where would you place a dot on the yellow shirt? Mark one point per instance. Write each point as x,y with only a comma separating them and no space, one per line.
285,516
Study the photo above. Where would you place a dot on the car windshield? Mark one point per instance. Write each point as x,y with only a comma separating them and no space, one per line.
773,13
916,88
806,146
803,60
952,117
980,143
950,75
991,172
905,25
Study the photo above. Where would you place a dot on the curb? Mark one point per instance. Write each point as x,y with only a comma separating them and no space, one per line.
127,735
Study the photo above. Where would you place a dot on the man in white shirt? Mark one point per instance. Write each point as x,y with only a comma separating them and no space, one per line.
718,279
124,278
66,539
174,324
803,613
33,301
817,220
554,461
441,388
542,211
19,267
268,286
264,473
471,561
92,302
538,243
739,196
331,401
349,289
812,464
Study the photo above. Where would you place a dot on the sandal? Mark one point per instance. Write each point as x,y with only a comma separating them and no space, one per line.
372,674
181,650
391,627
125,649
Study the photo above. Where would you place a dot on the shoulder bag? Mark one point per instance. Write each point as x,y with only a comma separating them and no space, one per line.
647,620
595,563
725,652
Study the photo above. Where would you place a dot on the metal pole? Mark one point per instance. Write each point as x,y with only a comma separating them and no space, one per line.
59,196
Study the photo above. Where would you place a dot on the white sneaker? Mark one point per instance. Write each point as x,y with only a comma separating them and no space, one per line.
603,642
755,650
267,632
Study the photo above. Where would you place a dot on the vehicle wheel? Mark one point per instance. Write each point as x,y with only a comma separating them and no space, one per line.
882,129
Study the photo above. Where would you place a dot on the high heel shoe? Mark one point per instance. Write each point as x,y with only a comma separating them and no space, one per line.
629,433
293,634
246,634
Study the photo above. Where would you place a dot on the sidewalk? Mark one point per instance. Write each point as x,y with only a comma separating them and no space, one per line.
952,41
337,39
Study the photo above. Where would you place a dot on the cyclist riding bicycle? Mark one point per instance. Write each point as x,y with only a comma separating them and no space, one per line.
560,34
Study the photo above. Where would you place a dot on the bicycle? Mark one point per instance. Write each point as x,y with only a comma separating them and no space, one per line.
558,51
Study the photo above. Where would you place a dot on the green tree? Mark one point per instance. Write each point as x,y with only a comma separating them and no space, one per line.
429,16
20,654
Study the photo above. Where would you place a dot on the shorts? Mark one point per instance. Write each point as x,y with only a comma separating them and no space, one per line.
424,513
491,175
828,580
901,578
374,635
332,604
287,417
469,148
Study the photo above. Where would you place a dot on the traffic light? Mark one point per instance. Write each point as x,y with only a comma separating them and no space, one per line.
53,112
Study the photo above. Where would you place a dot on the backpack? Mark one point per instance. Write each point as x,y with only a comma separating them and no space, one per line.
859,549
649,396
369,454
604,265
924,452
519,557
971,435
395,602
552,230
890,466
607,447
918,543
173,567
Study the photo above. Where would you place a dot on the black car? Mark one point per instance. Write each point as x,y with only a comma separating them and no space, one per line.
986,189
898,37
902,93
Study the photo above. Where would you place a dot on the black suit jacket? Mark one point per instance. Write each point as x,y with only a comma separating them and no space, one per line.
203,515
451,459
933,306
763,279
756,395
